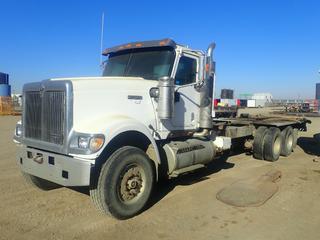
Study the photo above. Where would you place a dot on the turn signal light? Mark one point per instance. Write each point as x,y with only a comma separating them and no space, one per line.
96,143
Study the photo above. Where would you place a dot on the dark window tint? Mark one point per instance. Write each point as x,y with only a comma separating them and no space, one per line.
146,63
186,71
116,66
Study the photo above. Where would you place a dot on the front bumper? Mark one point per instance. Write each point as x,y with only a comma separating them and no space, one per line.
60,169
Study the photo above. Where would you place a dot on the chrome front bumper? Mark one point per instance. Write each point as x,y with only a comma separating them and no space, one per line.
60,169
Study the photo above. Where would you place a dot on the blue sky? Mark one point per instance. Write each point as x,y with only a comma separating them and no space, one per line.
262,46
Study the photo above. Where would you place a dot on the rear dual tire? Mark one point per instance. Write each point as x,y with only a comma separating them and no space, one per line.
270,143
288,141
258,142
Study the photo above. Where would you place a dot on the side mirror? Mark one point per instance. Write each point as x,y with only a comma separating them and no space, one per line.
165,107
197,86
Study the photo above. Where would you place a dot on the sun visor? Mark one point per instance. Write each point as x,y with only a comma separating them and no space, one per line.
145,44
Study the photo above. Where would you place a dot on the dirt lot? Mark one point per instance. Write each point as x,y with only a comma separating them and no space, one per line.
185,208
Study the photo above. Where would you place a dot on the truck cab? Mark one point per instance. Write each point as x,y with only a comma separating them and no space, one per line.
153,60
150,93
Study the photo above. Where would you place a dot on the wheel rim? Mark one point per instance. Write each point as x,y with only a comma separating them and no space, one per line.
277,146
289,142
132,184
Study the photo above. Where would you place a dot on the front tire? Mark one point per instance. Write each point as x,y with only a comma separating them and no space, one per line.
125,183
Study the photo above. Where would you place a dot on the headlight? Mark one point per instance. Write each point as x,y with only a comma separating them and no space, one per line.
18,131
83,142
92,143
86,143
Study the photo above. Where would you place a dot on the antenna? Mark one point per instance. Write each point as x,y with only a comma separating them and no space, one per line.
101,39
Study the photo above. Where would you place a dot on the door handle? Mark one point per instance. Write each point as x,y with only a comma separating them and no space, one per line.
176,96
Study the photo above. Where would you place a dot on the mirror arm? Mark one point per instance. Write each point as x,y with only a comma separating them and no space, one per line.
197,86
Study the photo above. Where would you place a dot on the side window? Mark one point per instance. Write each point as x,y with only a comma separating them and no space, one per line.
186,71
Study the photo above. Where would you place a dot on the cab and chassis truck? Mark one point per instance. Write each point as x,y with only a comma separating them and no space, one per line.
149,116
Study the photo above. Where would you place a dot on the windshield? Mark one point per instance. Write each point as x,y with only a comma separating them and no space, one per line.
149,63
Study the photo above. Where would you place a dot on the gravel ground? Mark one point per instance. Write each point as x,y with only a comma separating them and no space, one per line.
184,208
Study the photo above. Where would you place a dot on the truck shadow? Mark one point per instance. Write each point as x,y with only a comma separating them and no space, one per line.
309,145
165,186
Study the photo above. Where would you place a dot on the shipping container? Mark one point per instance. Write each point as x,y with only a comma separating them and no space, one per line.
243,102
251,103
232,102
215,102
226,94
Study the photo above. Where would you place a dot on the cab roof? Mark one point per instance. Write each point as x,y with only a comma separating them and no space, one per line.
167,42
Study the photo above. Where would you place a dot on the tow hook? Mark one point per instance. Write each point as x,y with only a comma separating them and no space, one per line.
38,158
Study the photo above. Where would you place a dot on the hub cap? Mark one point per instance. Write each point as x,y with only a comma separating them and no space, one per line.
277,146
132,183
290,142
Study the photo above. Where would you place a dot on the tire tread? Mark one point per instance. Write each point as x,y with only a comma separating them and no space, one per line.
105,205
258,142
272,133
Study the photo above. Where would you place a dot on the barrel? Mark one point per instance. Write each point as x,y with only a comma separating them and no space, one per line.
318,91
226,94
5,90
4,78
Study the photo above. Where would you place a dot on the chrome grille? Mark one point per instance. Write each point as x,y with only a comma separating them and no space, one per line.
33,115
54,116
45,116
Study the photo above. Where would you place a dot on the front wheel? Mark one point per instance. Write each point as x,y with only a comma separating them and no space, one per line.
125,183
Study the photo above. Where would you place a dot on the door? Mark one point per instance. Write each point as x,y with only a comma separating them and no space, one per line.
187,99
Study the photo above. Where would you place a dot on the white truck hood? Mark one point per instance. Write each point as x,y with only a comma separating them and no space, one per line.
98,99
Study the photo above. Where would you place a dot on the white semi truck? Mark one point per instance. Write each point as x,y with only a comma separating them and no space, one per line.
149,116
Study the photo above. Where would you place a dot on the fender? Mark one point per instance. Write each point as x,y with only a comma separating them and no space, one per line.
128,124
112,126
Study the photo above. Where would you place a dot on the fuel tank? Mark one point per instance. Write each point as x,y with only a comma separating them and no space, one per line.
182,154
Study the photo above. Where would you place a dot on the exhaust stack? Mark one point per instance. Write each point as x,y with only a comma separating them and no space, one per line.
206,93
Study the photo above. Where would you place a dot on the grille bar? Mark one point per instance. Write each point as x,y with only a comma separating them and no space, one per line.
33,115
54,117
45,116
